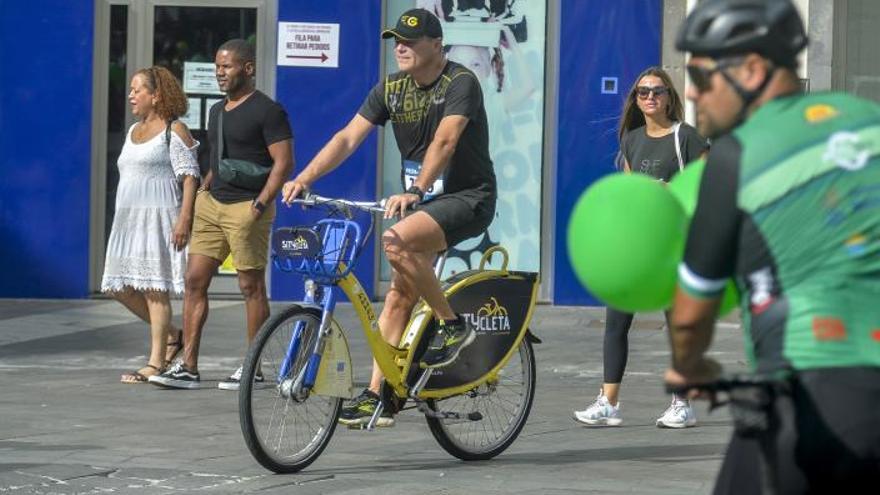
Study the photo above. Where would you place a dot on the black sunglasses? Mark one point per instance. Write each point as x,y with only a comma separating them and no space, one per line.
701,75
645,91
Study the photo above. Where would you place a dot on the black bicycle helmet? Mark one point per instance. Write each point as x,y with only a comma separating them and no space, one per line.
719,28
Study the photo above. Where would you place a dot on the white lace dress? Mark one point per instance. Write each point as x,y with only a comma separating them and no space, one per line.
140,253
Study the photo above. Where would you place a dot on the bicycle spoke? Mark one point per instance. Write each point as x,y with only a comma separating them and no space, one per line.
288,429
501,404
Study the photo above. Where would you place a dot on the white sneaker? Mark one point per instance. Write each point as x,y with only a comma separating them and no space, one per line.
234,381
600,412
680,414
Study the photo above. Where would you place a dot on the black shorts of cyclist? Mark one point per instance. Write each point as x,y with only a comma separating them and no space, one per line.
462,214
825,438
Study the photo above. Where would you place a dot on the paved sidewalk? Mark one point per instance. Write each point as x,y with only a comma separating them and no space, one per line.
68,426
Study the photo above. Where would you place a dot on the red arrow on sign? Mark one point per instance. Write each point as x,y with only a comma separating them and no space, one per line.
322,57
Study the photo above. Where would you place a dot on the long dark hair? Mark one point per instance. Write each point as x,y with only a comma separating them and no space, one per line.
633,118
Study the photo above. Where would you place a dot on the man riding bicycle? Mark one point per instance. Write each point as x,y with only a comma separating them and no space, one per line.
788,205
436,110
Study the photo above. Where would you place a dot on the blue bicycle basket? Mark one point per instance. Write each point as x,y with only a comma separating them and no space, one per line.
325,252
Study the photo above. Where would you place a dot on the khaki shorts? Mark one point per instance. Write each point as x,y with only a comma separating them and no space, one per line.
220,229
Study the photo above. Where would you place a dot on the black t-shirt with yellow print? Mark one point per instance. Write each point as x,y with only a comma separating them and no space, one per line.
415,113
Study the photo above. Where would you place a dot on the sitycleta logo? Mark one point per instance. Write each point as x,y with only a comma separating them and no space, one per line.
298,244
490,318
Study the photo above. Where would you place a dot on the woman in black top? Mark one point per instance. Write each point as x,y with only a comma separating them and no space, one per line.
653,141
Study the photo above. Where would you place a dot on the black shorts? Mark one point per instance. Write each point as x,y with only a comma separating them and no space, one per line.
462,214
824,438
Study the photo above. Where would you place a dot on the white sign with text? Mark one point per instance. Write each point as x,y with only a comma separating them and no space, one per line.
200,78
308,44
193,116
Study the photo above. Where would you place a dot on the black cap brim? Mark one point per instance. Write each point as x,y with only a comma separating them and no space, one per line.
391,33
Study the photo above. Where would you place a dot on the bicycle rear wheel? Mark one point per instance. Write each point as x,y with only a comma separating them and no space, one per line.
284,433
504,406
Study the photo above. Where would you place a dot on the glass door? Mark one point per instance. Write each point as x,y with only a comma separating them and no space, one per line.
118,112
856,64
182,36
185,40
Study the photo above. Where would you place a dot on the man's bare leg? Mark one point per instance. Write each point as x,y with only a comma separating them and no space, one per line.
253,287
200,270
411,247
399,303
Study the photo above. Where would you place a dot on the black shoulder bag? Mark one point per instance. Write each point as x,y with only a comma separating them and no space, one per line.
239,173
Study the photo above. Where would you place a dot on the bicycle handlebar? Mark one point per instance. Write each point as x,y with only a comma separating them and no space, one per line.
312,199
724,384
316,200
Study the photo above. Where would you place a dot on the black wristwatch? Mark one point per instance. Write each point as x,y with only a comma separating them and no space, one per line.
259,206
414,189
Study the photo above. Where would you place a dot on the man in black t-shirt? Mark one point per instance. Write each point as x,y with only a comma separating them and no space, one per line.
234,215
436,110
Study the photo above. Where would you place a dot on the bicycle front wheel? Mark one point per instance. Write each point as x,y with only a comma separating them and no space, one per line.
503,406
285,432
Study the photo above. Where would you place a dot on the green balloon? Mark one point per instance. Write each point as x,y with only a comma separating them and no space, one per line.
730,299
685,186
625,239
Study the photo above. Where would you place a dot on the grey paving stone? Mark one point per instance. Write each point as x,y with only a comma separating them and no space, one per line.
68,426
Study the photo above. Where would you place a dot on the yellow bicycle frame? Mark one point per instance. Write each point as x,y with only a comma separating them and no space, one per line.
396,362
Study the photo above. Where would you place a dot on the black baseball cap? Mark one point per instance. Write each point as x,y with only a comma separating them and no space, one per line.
414,24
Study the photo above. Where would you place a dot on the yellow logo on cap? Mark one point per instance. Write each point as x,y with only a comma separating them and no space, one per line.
410,20
820,113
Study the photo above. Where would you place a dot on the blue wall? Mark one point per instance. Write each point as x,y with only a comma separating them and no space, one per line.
45,135
320,102
598,39
46,105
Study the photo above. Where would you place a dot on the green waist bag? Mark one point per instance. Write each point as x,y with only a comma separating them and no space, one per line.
243,174
240,173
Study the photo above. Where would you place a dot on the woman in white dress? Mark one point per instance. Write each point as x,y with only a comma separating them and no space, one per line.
158,176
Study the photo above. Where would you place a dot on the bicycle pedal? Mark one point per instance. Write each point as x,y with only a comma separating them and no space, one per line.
380,407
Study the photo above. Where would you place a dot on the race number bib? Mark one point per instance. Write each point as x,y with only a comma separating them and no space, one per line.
411,171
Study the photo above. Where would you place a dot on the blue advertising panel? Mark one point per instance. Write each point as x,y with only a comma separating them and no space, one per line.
603,48
319,102
45,118
45,184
